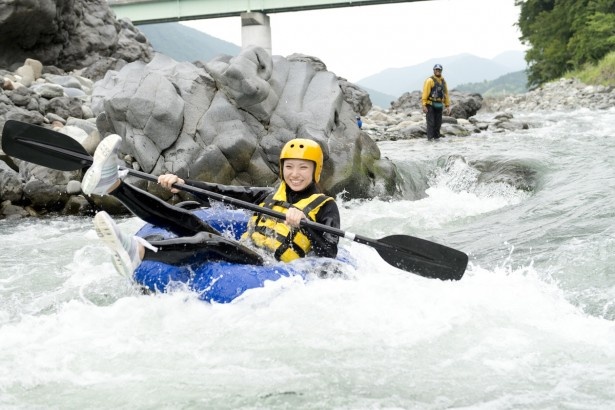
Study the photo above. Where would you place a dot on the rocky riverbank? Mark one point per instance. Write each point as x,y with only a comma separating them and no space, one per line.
208,126
563,95
63,101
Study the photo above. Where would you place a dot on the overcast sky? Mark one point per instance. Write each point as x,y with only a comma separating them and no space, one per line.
356,42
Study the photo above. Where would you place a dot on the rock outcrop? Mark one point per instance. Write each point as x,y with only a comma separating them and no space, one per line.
228,120
224,121
69,34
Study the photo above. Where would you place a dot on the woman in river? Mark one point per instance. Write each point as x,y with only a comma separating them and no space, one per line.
297,195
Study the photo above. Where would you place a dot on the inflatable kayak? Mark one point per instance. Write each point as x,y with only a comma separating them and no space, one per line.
219,280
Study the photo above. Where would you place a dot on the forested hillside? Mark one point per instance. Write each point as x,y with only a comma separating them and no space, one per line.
512,83
564,36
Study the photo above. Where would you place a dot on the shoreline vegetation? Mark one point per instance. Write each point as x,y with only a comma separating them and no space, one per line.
602,73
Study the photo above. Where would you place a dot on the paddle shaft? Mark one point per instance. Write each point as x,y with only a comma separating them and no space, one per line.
60,151
250,206
86,161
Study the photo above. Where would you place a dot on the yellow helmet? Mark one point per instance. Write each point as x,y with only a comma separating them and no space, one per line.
302,148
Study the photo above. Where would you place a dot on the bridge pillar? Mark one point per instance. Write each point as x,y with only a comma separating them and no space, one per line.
255,30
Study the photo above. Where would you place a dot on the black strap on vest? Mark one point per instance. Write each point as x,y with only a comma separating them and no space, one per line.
435,85
286,242
315,204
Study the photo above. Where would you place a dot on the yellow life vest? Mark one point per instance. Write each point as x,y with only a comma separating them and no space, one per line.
270,233
438,90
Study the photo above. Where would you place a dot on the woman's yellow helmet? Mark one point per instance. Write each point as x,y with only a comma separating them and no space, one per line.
303,148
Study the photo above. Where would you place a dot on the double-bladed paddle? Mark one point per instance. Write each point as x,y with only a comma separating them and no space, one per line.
59,151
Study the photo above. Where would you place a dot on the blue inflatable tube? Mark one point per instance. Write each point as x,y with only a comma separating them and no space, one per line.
217,281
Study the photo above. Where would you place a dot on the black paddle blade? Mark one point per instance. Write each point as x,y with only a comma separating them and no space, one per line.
422,257
43,146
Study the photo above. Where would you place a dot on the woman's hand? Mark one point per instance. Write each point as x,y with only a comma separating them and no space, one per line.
167,181
294,217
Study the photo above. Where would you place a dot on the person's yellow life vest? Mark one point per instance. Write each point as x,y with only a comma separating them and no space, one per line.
438,90
269,233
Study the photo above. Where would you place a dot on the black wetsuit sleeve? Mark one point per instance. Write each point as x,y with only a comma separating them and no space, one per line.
325,244
254,195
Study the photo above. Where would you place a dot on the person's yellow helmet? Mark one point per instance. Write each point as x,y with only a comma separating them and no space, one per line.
303,148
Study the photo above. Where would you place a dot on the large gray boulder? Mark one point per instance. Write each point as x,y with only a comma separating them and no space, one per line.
11,186
227,120
71,34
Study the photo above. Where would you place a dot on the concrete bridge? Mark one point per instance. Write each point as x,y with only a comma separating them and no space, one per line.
255,26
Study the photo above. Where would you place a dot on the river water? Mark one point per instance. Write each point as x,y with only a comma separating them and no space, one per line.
531,325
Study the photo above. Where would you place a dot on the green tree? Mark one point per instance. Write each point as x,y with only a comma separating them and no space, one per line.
563,35
593,40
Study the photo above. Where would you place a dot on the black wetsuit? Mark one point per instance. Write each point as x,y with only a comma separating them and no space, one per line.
194,235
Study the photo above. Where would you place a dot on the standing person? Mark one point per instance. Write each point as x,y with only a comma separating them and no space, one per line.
359,122
298,195
435,97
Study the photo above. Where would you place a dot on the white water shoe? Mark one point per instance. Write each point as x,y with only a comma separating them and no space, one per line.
104,170
125,247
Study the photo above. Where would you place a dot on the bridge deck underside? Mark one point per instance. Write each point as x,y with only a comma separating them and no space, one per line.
159,11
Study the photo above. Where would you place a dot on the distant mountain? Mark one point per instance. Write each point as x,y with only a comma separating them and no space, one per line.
459,69
184,43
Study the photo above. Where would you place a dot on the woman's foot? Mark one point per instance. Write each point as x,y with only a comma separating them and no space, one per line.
103,174
126,248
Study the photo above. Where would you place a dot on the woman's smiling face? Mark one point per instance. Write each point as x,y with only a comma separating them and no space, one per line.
298,173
